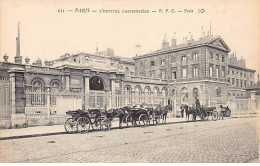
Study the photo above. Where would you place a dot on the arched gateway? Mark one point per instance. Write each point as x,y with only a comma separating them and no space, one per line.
96,93
96,83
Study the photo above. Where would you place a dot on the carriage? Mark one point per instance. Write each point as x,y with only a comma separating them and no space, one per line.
81,121
209,111
144,115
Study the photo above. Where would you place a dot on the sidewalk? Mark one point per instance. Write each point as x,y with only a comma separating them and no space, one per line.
36,131
53,130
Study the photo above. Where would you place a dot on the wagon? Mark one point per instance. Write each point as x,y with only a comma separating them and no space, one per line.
81,121
209,111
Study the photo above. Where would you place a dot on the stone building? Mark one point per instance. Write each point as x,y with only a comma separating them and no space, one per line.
239,77
174,74
191,69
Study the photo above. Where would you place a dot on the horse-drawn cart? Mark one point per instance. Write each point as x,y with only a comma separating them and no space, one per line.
81,121
209,111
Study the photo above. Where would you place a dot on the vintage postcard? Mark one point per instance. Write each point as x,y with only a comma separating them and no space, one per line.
129,81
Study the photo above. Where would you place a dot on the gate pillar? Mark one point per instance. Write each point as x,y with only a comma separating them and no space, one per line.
18,118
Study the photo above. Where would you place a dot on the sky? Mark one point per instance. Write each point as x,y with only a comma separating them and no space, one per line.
48,34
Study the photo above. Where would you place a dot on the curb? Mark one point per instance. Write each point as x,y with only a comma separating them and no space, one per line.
32,135
64,132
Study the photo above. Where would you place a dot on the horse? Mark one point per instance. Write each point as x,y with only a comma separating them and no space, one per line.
117,113
163,111
189,110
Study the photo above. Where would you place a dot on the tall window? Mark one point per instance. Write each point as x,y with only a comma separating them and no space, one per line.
37,98
217,57
55,87
174,75
195,92
163,73
245,83
162,62
184,95
218,91
211,70
233,81
173,59
195,72
195,56
184,72
211,56
217,72
152,63
223,58
241,83
223,72
184,58
138,93
142,66
237,83
128,95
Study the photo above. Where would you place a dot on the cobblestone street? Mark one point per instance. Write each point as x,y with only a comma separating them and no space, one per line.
229,140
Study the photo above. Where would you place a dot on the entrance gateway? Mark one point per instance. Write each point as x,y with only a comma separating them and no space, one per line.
97,95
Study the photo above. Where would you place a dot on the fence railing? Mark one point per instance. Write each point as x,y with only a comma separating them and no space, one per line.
5,99
58,103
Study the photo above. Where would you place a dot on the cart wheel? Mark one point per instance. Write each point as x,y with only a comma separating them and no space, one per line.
70,125
143,120
203,116
106,124
128,120
206,116
97,125
214,115
83,124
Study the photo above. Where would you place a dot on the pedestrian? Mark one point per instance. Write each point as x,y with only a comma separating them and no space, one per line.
182,111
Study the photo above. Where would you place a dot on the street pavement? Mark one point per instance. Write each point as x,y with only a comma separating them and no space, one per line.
229,140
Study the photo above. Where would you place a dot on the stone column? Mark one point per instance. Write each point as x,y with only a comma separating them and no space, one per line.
113,93
67,80
86,92
18,118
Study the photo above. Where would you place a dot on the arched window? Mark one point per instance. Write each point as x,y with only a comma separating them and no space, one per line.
173,92
138,93
164,92
128,95
164,95
218,91
55,87
184,95
147,93
37,97
37,86
195,93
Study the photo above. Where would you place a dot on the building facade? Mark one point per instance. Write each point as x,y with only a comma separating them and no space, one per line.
174,74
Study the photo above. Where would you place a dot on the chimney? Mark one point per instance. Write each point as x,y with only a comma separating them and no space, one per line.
190,37
138,49
173,40
18,57
165,43
110,52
